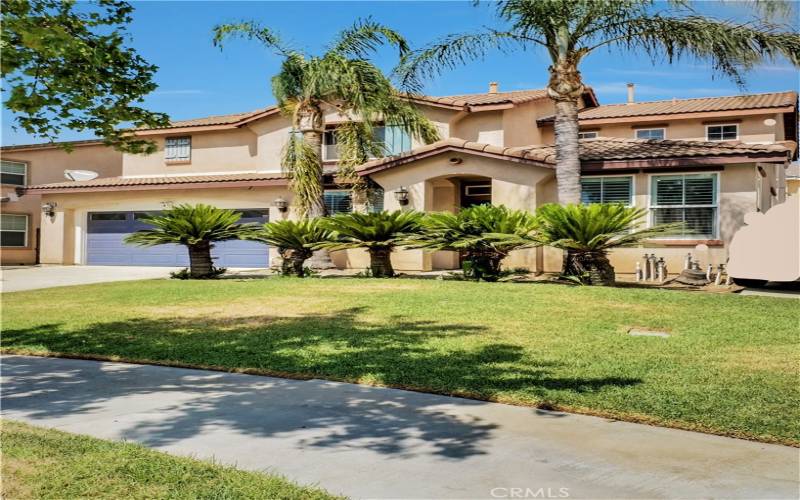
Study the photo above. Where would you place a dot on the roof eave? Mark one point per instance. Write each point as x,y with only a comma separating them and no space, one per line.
156,187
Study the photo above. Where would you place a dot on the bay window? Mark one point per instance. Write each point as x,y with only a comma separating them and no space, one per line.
688,198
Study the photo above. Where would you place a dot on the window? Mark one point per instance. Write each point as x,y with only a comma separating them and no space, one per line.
13,230
375,199
337,202
722,132
587,135
13,172
651,133
178,149
607,190
478,190
690,198
394,140
109,216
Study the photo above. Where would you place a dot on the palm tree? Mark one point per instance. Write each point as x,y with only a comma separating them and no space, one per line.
483,234
588,232
378,232
342,79
569,30
195,226
293,239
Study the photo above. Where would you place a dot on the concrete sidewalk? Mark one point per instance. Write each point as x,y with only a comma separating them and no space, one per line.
16,279
383,443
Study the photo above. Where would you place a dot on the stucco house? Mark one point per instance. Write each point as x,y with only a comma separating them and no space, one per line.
707,161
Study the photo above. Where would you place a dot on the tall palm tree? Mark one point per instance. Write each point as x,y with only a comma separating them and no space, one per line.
342,79
569,30
195,226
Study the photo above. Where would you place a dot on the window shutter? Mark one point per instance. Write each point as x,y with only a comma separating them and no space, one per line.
337,202
591,191
668,190
699,190
617,190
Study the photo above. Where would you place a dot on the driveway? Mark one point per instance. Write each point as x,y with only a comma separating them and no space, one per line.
368,442
15,279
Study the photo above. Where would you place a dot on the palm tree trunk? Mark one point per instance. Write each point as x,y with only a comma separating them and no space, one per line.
292,262
200,263
592,268
380,262
568,164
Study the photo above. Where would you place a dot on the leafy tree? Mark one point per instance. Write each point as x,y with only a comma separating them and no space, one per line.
197,227
378,232
343,79
66,66
293,239
483,234
588,232
570,30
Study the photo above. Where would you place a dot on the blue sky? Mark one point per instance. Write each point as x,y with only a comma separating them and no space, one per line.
196,79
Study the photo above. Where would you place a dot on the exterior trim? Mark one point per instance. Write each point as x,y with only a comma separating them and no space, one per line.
676,116
161,187
690,161
51,145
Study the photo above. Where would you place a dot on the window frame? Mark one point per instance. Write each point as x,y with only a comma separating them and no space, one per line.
349,193
26,232
687,237
637,130
188,159
24,175
633,185
595,132
710,125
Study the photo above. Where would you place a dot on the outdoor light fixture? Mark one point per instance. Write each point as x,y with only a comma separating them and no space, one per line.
49,209
281,204
401,195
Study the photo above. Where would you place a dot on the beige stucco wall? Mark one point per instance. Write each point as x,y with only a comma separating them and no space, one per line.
752,129
47,165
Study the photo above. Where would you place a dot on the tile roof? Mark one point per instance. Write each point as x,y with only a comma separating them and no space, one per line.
513,97
599,149
156,181
54,144
231,119
696,105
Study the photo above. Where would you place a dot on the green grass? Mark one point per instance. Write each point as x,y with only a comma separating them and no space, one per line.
40,463
729,367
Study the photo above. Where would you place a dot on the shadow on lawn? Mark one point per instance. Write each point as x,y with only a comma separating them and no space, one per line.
342,345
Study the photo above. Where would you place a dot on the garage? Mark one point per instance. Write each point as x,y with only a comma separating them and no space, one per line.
105,243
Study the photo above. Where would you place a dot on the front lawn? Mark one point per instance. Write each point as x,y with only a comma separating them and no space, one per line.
40,463
730,365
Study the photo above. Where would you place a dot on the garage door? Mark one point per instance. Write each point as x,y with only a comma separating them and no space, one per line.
105,245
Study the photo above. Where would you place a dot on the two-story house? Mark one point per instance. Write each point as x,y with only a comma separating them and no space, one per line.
703,161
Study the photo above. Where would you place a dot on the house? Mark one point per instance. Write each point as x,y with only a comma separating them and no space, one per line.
706,161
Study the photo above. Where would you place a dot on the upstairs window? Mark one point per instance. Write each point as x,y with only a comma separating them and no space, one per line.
394,140
607,190
178,149
13,230
587,135
14,173
651,133
338,202
722,132
691,199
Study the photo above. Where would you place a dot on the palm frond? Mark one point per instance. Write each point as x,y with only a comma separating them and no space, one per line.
292,235
365,37
190,224
366,230
250,30
302,164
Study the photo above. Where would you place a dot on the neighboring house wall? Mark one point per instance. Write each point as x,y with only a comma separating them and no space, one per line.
44,165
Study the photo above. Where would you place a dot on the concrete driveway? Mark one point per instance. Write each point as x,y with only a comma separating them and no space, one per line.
14,279
369,442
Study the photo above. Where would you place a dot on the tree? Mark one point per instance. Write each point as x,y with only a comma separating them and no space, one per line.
483,234
197,227
293,239
378,232
570,30
343,79
66,66
588,232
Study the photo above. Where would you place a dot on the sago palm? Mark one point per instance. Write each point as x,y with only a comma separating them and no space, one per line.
378,232
474,233
195,226
569,30
588,232
341,79
293,240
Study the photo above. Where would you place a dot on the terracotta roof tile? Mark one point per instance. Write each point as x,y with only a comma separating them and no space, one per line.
696,105
599,149
231,119
483,99
108,182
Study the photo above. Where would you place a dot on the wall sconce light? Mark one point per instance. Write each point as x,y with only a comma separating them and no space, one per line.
281,204
49,209
401,195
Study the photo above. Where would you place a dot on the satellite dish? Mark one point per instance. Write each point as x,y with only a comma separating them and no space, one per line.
80,175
